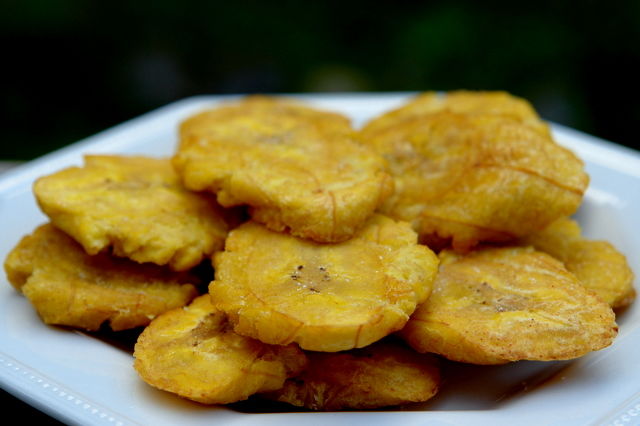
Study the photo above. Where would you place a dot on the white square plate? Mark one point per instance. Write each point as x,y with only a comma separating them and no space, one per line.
83,380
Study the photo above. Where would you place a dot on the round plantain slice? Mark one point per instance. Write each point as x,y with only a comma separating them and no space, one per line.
496,305
380,375
135,205
68,287
463,179
326,297
193,352
597,264
299,169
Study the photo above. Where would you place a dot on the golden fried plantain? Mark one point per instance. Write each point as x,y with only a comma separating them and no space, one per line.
136,206
298,168
68,287
194,353
597,264
462,102
326,297
471,178
496,305
379,375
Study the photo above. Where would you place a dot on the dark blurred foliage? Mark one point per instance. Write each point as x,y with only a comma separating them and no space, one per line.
73,68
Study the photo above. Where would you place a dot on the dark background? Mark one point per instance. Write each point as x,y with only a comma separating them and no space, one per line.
73,68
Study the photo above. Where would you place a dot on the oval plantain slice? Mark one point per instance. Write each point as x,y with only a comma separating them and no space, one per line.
299,169
597,264
461,102
379,375
193,352
465,179
68,287
136,206
496,305
326,297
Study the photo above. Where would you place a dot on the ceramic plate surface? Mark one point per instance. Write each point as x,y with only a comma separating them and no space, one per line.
81,379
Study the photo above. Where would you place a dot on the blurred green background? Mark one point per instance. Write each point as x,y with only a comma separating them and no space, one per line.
73,68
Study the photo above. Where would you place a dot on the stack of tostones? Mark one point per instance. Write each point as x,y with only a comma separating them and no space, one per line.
314,268
336,253
481,167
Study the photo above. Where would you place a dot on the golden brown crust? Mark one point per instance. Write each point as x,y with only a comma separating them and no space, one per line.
68,287
137,207
299,169
281,289
380,375
194,353
496,305
481,177
597,264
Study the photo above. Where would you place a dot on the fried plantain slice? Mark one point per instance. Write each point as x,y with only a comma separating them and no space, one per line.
68,287
326,297
496,305
379,375
471,178
193,352
597,264
136,206
298,168
462,102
